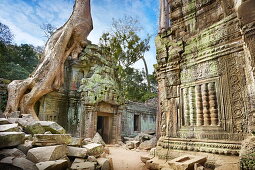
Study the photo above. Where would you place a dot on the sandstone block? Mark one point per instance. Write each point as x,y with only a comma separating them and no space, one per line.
11,152
82,164
76,152
145,158
47,153
4,121
92,159
75,142
53,127
53,165
8,139
52,139
25,146
186,162
34,128
17,164
130,145
104,163
9,128
98,139
148,144
94,149
136,143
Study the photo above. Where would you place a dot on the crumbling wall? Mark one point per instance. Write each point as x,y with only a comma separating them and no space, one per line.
146,115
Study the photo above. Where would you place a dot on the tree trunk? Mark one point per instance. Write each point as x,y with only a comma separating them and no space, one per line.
68,40
147,74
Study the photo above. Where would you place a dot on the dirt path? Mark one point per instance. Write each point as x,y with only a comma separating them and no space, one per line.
126,159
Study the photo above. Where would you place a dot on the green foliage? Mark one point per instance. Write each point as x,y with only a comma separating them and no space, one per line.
125,47
16,62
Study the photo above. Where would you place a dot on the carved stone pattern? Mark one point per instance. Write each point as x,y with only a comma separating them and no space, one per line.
186,107
205,101
199,106
213,104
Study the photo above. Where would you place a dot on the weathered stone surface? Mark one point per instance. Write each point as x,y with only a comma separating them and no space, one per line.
76,142
98,139
34,128
146,158
13,163
94,149
82,164
76,152
11,152
106,150
53,127
92,159
8,139
136,143
143,137
87,141
53,165
4,121
148,144
186,162
130,145
247,153
25,146
9,128
47,153
52,139
104,163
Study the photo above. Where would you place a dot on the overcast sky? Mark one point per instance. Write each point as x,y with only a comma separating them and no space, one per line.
24,17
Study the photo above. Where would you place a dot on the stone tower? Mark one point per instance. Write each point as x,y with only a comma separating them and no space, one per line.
205,72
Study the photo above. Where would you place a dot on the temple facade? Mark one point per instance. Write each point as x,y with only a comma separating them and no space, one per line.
205,72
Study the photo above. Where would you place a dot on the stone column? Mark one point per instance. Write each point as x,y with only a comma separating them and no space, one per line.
192,106
199,106
246,16
206,113
186,106
213,104
164,16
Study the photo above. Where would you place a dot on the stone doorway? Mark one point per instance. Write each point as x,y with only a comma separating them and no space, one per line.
104,126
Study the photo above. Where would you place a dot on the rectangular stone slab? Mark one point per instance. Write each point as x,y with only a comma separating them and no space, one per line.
51,139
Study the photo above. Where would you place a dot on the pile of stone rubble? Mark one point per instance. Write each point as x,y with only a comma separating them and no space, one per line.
27,144
143,141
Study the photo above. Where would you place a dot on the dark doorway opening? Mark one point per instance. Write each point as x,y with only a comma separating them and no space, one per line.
136,123
104,127
100,125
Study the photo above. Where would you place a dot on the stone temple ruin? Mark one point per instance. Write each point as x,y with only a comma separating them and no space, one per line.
90,102
205,55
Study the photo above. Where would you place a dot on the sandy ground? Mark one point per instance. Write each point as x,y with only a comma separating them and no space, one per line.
126,159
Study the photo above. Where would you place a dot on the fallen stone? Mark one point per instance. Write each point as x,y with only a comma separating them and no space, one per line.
106,150
136,143
28,137
76,152
104,163
87,141
82,164
130,145
47,153
186,162
143,137
34,128
11,152
52,139
4,121
8,139
94,149
53,165
145,158
92,159
148,144
25,146
48,132
53,127
9,128
98,139
76,142
13,163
